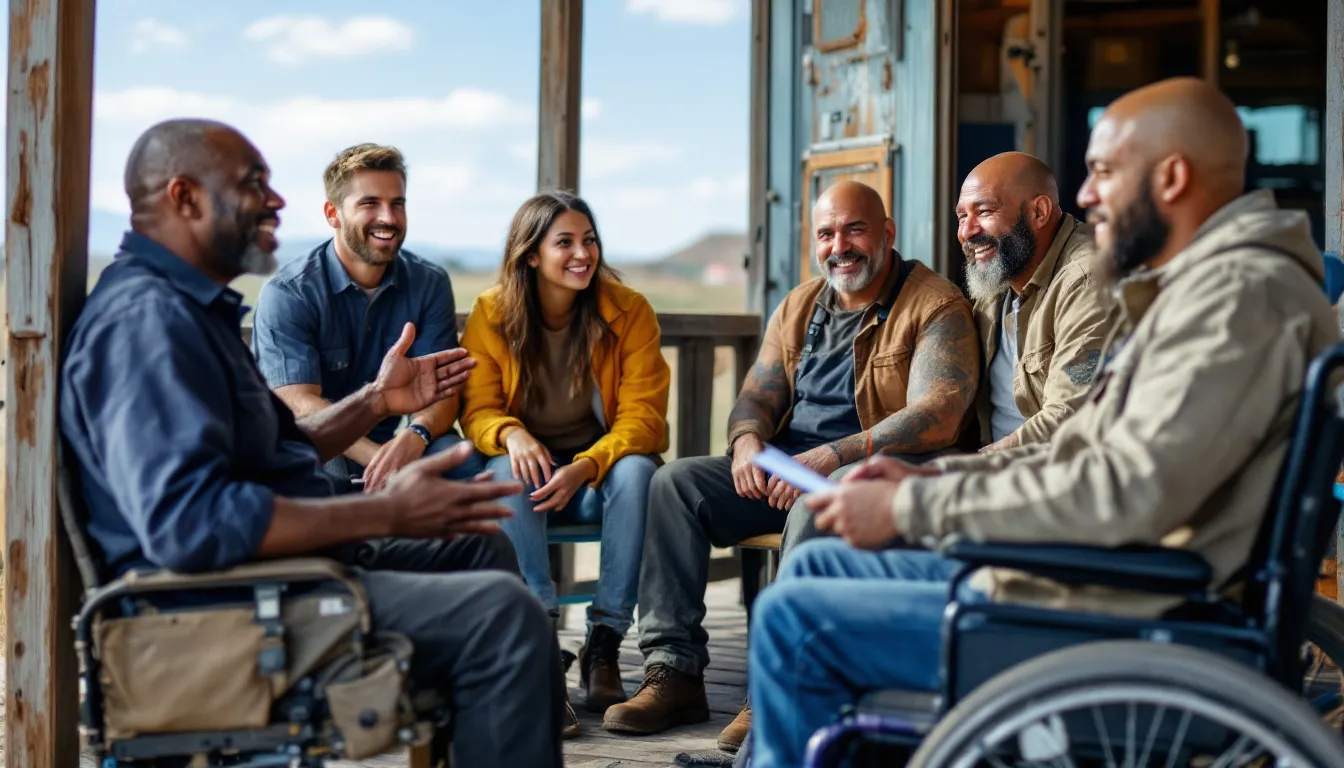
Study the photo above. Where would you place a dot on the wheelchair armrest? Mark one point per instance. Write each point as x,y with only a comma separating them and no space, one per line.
1140,568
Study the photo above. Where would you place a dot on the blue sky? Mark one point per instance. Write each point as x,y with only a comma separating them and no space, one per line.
454,85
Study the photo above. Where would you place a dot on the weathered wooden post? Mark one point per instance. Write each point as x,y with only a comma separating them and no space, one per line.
559,110
49,114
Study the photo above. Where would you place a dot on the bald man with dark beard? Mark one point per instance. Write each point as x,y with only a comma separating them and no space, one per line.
1031,271
188,463
1179,443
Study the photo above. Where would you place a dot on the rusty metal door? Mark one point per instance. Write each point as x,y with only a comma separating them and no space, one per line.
849,58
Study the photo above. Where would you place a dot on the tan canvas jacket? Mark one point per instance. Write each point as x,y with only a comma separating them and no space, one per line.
1062,323
1181,438
882,349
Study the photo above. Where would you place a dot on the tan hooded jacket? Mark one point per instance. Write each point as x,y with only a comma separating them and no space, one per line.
1181,438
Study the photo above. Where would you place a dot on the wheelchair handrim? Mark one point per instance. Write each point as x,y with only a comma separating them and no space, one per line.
1285,754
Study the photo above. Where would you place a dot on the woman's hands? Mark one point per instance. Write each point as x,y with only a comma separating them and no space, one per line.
530,460
566,481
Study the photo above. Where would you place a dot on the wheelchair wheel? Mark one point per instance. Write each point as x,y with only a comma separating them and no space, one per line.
1324,655
1130,703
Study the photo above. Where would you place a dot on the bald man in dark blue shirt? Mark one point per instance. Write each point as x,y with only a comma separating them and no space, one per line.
189,463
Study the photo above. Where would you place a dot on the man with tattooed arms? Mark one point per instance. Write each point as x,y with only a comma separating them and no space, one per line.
878,354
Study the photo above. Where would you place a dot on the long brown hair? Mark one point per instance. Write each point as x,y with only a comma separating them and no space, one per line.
520,302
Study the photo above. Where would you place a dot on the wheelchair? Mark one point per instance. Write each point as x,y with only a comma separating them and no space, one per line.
1216,682
267,664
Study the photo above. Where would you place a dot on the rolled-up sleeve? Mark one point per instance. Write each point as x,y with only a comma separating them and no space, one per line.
284,337
154,404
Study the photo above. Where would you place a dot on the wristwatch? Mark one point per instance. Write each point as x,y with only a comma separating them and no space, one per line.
420,430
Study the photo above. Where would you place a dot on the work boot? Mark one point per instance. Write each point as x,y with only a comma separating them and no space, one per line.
665,698
731,737
600,669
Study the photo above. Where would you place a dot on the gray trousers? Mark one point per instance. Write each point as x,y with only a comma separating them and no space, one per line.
481,639
692,507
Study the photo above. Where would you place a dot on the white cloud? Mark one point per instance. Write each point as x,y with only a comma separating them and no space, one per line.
152,33
591,109
306,125
601,159
295,39
704,12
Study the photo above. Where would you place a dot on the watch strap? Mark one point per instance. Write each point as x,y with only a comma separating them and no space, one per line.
423,432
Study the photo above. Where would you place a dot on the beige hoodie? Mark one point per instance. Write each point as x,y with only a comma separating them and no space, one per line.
1181,437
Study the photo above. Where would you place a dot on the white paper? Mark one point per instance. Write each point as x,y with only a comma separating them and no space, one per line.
791,471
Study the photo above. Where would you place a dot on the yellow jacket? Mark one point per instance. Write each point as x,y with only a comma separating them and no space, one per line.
633,382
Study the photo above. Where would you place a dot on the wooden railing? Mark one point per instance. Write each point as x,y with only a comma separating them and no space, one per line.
695,337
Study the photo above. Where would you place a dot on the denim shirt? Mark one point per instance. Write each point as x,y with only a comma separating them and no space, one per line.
316,325
181,447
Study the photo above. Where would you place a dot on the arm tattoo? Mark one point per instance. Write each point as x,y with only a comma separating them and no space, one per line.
764,399
943,377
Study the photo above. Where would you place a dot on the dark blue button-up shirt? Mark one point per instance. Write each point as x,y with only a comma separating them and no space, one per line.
180,444
316,325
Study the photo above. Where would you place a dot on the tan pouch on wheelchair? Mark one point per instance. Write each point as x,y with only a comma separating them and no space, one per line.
200,670
367,697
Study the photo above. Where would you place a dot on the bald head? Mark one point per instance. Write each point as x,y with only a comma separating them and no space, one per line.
854,237
1191,119
1007,217
1015,174
202,189
1161,161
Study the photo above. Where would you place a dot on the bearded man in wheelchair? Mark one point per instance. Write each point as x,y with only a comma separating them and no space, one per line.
1047,605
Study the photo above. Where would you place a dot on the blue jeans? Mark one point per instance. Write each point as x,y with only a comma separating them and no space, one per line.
619,504
344,468
837,623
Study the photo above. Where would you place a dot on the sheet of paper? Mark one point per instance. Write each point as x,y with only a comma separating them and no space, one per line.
777,462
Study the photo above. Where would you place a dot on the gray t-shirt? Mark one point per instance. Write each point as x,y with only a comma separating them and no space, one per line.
823,409
1005,418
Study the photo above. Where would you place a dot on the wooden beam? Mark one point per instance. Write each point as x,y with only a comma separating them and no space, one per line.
1333,126
758,163
1210,12
560,103
49,115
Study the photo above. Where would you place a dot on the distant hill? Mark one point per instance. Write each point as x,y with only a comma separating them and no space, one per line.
714,258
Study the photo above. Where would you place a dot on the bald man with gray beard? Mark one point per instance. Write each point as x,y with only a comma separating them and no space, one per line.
1030,271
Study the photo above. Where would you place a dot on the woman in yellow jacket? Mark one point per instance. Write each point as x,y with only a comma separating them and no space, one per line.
569,395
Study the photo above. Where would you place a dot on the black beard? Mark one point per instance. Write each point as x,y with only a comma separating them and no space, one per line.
1137,234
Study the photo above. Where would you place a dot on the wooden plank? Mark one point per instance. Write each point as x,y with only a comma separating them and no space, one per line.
758,163
1210,12
695,388
48,128
559,113
678,327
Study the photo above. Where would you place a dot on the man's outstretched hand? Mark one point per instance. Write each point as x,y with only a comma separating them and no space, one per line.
423,505
412,384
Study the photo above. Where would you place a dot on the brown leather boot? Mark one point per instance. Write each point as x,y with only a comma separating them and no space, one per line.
731,737
600,669
665,698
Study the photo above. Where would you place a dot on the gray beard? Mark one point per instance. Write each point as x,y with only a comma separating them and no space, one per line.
256,261
987,282
853,283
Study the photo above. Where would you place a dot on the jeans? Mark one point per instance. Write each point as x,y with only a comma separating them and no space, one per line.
620,504
481,639
344,468
837,623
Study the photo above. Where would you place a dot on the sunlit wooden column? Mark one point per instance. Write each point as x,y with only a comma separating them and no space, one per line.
49,113
559,110
1333,125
